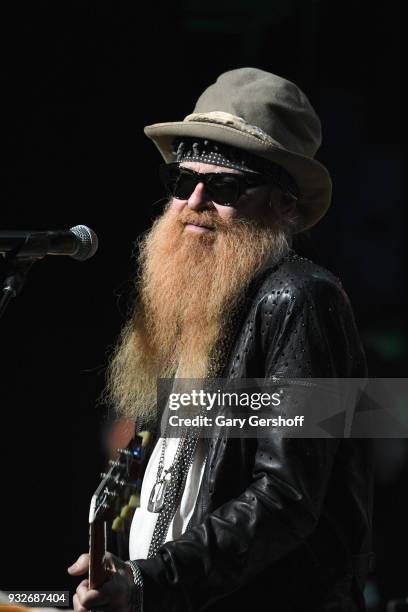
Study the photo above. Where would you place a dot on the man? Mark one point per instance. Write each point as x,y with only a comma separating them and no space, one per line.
275,522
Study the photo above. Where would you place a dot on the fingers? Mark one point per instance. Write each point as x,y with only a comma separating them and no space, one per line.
88,599
81,565
113,596
77,605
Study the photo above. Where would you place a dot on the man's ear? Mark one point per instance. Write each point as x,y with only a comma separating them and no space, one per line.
288,202
284,203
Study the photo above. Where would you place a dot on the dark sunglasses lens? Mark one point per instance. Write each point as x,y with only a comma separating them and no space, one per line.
224,190
181,184
184,185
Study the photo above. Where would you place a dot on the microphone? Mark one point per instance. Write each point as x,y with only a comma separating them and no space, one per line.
79,242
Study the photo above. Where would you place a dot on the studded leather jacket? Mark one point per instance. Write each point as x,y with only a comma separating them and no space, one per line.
280,523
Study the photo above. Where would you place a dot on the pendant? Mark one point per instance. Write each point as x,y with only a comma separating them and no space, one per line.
156,499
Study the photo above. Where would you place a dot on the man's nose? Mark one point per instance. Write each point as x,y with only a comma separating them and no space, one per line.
199,198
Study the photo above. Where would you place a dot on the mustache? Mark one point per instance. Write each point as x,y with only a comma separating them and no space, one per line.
208,218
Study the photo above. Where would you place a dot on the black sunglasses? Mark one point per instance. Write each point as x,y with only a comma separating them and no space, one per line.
223,188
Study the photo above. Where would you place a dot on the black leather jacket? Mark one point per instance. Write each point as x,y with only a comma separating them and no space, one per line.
280,523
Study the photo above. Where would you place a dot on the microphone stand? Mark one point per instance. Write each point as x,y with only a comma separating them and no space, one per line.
16,276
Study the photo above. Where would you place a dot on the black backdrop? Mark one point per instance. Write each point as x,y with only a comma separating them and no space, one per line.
79,80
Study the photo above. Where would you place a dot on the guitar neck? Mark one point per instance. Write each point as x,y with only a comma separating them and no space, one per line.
122,480
97,549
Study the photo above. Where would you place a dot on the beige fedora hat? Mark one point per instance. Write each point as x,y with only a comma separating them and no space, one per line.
265,115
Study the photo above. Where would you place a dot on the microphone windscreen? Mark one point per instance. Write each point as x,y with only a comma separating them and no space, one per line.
88,242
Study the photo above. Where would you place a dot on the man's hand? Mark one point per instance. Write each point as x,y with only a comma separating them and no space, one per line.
117,594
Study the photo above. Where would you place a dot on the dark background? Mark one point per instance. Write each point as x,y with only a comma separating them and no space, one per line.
79,80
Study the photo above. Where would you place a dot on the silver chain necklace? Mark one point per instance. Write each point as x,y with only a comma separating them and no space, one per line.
170,488
163,478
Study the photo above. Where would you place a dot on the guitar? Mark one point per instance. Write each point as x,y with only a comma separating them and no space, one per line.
114,502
